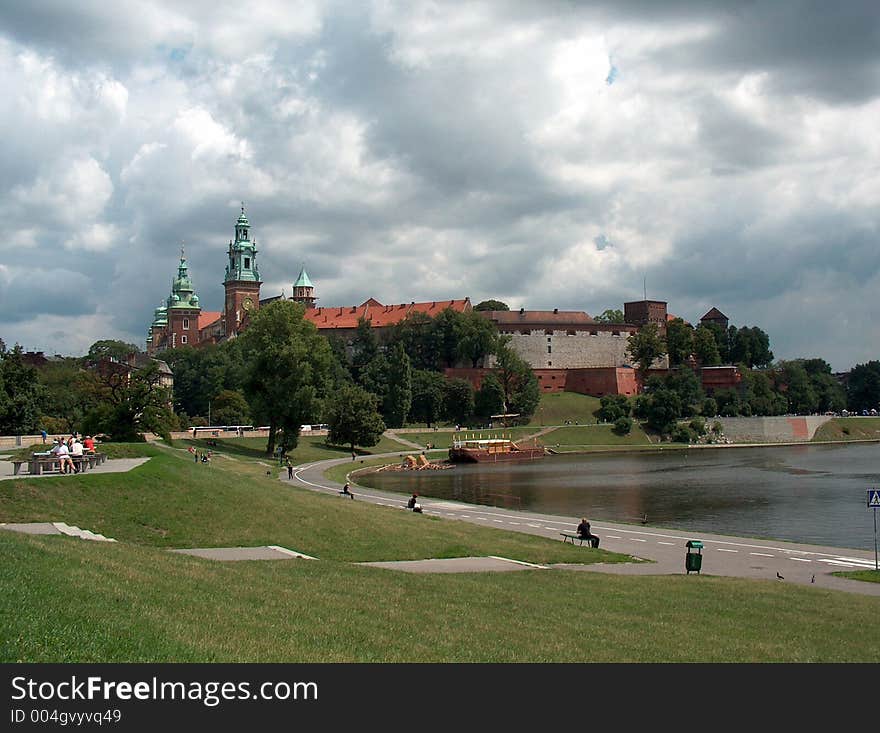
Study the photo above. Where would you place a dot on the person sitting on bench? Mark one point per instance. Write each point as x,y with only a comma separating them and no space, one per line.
346,491
413,504
583,531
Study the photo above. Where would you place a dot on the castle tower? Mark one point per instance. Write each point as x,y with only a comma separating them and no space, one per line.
242,281
158,329
303,290
182,310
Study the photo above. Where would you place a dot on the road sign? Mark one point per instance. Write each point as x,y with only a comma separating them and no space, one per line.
873,498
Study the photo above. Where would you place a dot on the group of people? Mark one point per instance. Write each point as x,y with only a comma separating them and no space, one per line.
66,450
200,456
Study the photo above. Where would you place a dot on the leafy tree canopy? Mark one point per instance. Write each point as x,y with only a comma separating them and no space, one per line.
491,305
611,315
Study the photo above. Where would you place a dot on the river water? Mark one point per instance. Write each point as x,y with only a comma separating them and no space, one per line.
813,494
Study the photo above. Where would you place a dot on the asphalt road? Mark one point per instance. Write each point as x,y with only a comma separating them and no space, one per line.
722,555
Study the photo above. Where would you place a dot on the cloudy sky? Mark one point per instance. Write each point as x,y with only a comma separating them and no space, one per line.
547,154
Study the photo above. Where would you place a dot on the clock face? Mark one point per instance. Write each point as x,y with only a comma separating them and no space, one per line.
247,304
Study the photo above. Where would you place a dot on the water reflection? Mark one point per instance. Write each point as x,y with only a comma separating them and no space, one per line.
812,494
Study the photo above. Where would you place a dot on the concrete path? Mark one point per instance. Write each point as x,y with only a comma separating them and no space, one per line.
111,465
229,554
54,528
722,555
457,565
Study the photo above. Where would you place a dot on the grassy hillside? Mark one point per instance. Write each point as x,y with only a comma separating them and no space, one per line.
590,437
558,407
65,599
849,428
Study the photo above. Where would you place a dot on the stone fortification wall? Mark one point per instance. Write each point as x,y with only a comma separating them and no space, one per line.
570,349
771,429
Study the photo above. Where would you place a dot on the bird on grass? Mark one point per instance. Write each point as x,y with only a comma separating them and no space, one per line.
779,576
813,579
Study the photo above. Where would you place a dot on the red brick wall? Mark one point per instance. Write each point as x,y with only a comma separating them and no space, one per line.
596,382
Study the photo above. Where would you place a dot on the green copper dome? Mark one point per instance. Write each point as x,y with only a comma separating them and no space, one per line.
303,280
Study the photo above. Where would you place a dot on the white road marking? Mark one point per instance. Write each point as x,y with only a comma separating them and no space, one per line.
721,549
636,539
840,562
762,554
613,537
669,543
800,559
500,521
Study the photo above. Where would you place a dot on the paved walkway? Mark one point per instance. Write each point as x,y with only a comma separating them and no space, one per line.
722,555
111,465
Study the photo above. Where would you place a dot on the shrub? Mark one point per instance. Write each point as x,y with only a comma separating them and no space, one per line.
698,425
683,434
622,426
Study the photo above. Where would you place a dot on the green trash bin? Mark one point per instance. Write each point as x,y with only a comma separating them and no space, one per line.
693,561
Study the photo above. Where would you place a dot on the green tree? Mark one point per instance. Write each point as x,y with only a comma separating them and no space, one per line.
519,383
129,402
22,397
763,399
353,417
610,315
863,386
68,392
448,326
419,338
399,396
289,367
645,346
679,341
491,305
706,347
459,400
687,386
613,407
229,407
798,389
722,340
110,349
663,410
829,392
428,396
364,347
477,337
489,398
750,346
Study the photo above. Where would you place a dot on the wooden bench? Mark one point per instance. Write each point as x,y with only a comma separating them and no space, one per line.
572,536
16,466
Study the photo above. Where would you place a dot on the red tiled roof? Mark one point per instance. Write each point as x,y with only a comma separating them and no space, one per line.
507,318
206,318
378,314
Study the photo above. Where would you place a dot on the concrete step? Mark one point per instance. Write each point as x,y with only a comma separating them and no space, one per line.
72,531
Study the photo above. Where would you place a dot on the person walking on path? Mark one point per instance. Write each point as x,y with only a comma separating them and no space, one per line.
289,470
44,435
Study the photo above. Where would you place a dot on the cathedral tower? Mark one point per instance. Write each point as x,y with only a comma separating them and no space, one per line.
182,310
242,281
303,290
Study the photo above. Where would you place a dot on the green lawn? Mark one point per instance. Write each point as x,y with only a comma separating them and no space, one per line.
869,576
65,599
593,436
849,428
557,407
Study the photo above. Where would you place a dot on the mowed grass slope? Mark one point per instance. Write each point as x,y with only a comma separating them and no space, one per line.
64,599
68,600
171,501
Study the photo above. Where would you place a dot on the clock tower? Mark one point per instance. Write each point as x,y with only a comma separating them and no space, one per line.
242,281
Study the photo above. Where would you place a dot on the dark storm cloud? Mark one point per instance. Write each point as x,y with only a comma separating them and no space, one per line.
811,47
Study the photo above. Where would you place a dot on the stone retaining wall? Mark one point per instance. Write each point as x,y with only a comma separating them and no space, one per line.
771,429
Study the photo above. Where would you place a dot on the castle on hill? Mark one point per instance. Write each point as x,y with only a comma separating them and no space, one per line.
180,321
567,350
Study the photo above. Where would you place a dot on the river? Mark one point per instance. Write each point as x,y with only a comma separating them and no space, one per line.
811,493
